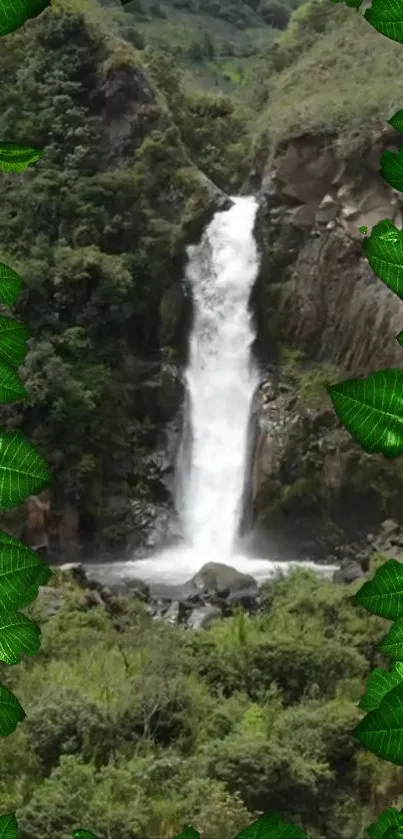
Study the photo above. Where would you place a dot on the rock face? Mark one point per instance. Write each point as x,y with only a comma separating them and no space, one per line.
321,294
317,295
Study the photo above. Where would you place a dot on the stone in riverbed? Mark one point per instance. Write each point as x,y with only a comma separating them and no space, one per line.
202,618
215,577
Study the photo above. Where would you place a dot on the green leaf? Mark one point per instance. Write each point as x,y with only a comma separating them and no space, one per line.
22,571
83,834
18,636
13,337
14,13
11,285
389,818
11,388
393,833
8,826
188,833
6,539
391,168
372,410
271,826
363,229
383,594
378,684
384,252
15,158
399,338
381,731
387,17
11,712
397,121
23,471
392,644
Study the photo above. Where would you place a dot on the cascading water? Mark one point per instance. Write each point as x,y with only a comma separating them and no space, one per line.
221,381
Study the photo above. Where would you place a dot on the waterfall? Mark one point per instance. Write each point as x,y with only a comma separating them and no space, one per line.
221,380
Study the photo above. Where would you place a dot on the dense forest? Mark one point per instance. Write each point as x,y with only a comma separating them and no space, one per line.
149,113
136,728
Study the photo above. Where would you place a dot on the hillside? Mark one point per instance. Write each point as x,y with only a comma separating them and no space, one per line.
328,72
213,41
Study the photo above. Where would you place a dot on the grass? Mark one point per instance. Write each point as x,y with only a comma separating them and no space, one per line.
348,82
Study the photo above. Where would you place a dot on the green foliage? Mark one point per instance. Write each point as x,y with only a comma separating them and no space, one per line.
98,236
328,72
211,126
149,727
380,730
386,17
18,636
11,712
382,594
14,14
372,410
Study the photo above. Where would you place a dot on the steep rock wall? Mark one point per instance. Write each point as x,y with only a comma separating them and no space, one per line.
318,297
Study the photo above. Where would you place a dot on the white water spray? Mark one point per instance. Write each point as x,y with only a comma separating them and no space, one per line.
220,379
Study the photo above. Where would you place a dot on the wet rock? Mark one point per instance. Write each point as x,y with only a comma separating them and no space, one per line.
203,617
349,571
389,527
215,577
131,586
76,571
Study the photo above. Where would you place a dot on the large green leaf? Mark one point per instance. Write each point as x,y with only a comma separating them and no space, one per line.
85,834
387,17
188,833
23,471
11,712
11,285
18,636
6,539
393,833
22,571
378,684
372,410
381,731
383,594
13,338
392,644
390,818
8,826
271,826
391,168
15,158
14,13
397,121
384,252
11,388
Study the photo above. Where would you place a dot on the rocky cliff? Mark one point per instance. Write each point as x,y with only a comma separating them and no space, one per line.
326,316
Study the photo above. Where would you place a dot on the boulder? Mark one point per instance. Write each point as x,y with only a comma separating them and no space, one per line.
203,617
349,571
215,577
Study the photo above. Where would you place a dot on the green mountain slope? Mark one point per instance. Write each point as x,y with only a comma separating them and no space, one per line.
328,72
212,41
